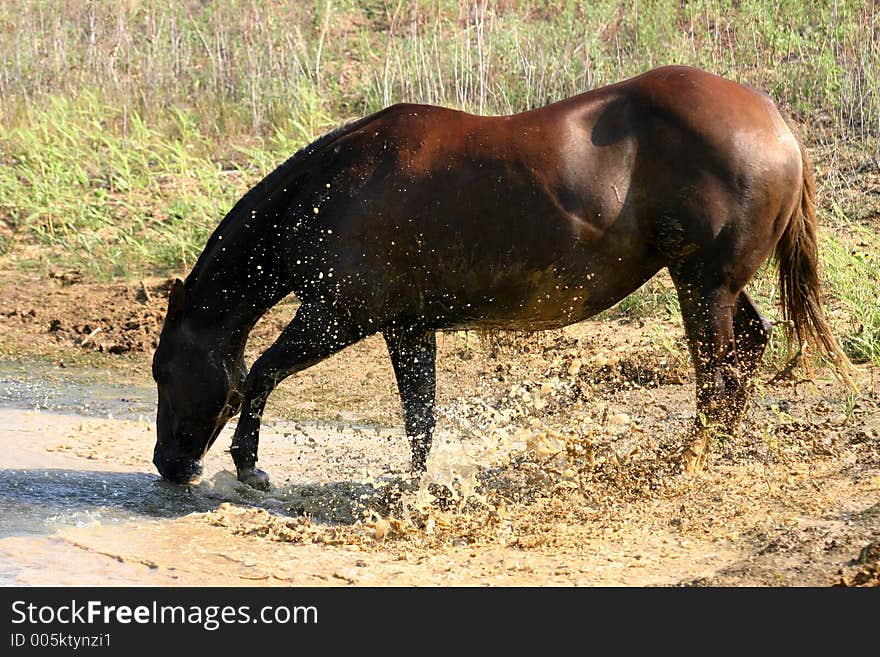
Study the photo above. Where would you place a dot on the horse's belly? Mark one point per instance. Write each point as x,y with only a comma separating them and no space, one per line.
527,302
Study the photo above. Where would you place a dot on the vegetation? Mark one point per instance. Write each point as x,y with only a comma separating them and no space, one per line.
127,129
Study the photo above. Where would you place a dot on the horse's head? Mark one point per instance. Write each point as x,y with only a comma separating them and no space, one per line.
198,384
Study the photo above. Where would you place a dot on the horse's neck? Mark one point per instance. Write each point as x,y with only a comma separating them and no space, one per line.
234,284
236,279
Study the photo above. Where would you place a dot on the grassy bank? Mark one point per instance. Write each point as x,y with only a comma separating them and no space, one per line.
128,129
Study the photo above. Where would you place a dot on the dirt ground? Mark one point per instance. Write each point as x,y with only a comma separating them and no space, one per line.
557,453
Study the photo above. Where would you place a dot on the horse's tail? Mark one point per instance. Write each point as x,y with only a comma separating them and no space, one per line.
797,255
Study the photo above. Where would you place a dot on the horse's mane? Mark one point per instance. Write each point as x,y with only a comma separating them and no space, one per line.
262,189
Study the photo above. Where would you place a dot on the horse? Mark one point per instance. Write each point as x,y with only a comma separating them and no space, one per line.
419,219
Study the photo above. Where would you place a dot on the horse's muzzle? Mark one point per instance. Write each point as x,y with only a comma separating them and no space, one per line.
180,469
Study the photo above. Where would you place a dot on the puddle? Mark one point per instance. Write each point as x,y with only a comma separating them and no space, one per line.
40,501
80,500
84,391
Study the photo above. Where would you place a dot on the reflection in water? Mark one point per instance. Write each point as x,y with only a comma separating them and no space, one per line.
39,501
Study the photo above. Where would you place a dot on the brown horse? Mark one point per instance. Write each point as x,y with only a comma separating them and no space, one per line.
420,219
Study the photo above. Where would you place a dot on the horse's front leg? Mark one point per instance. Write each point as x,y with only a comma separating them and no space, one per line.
314,334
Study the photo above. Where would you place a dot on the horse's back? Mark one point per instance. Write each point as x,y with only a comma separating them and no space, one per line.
722,114
676,125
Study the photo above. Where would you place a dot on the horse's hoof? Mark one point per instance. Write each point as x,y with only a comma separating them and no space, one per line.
255,478
693,464
442,494
694,457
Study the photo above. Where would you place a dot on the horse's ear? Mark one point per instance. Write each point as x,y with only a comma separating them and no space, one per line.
176,300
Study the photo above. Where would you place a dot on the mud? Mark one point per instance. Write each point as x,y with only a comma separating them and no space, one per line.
555,464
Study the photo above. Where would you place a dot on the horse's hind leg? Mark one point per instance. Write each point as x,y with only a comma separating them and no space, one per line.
708,315
752,332
413,355
316,332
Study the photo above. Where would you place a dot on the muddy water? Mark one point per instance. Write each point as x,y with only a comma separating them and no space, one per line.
41,490
80,502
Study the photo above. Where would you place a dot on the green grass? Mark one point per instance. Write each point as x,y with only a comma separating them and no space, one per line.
852,267
107,203
127,130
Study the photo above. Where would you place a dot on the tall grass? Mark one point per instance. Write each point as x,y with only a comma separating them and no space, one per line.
852,263
127,129
821,62
106,202
240,66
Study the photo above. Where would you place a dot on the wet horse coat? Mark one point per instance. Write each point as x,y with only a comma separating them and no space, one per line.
420,219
